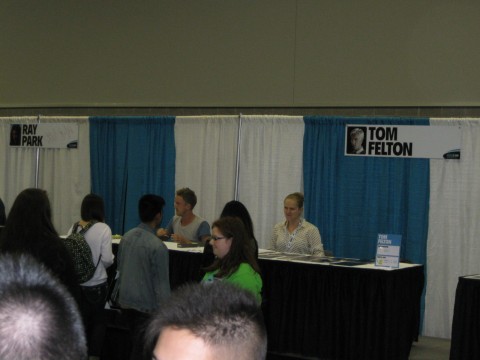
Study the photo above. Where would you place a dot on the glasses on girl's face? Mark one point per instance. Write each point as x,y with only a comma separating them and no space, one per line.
215,238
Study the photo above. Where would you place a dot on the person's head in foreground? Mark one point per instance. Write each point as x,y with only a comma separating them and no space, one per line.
215,322
39,318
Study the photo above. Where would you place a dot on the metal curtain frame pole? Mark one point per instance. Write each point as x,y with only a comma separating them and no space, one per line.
237,165
37,164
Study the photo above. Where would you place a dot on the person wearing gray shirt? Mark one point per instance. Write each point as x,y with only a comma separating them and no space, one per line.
186,227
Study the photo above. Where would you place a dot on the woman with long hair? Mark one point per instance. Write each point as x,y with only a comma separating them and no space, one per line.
236,209
94,291
29,230
234,257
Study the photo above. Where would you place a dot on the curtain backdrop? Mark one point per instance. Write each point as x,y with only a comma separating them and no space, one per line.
353,199
130,157
206,160
63,173
454,226
18,164
270,168
207,157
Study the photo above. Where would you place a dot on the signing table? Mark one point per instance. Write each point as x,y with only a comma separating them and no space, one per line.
329,308
466,319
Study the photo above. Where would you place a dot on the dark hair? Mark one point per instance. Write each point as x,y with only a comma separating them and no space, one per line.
36,311
29,229
227,318
298,197
188,196
29,220
240,250
93,208
237,209
149,206
3,217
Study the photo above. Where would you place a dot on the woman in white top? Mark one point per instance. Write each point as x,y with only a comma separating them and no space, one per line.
295,234
94,291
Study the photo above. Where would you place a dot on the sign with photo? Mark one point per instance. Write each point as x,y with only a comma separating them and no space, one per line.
404,141
51,135
388,250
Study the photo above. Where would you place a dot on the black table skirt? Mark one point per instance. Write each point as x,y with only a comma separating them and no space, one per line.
331,312
465,342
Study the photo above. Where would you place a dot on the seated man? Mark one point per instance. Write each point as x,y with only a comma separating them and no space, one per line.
186,227
39,318
219,321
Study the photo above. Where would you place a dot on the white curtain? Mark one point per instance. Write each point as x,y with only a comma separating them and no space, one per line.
453,245
206,148
17,164
271,167
63,173
270,163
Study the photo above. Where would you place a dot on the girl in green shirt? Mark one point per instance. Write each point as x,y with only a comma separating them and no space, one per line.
234,257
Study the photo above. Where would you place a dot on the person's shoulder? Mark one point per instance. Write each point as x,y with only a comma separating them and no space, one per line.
245,268
130,232
309,225
199,221
101,227
279,225
199,218
310,228
134,232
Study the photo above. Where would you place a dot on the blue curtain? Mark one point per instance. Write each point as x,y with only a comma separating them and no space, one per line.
130,157
353,199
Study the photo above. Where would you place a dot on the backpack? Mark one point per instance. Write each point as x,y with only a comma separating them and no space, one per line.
81,253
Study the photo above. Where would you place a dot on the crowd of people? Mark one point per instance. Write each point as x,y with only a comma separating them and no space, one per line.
158,320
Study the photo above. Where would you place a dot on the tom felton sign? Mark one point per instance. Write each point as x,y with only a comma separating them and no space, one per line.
406,141
51,135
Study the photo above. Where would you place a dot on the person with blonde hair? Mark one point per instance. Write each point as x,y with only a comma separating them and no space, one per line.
295,234
186,227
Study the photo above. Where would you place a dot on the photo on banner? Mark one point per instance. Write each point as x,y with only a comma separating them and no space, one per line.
50,135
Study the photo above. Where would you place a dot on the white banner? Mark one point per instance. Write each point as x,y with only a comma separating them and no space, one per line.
52,135
407,141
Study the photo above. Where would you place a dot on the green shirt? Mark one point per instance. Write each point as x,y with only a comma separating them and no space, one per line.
245,277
